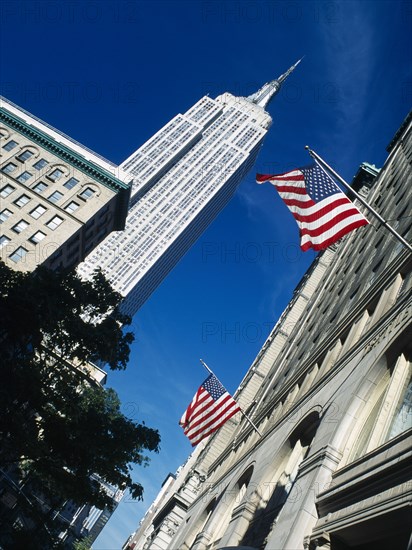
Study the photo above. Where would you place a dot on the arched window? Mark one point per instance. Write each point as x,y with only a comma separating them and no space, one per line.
402,420
231,500
388,411
199,524
277,490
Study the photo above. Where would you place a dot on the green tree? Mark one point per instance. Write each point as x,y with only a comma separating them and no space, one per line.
84,544
57,426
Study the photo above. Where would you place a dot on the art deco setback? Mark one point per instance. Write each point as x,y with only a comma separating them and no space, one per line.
183,177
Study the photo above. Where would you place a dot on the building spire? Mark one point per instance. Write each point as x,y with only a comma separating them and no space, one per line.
270,89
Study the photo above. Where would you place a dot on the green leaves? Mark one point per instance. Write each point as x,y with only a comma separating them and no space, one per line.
78,318
58,426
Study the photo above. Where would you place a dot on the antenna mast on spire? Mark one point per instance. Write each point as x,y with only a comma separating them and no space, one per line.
270,89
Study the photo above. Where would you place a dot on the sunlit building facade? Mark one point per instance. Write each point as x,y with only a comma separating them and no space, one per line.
182,178
94,521
58,199
331,395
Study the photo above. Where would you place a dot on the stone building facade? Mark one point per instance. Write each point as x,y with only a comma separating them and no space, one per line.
58,199
330,393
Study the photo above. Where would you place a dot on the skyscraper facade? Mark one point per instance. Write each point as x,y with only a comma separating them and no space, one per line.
182,178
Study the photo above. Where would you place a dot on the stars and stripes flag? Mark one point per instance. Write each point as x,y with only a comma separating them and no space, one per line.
323,213
210,408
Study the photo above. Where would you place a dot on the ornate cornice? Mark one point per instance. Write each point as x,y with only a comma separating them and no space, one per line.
61,151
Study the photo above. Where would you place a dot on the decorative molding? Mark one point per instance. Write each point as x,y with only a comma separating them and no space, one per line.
320,458
388,328
170,526
63,152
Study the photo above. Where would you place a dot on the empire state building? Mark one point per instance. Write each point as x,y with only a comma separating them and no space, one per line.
182,178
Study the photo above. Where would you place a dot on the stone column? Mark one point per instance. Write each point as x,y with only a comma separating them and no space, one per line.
202,541
298,515
241,518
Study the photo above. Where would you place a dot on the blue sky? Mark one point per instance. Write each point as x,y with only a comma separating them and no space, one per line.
110,74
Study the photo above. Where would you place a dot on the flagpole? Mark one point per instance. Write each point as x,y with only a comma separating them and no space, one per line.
206,367
325,167
244,414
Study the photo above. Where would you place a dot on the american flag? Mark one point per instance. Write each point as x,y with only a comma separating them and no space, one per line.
210,408
323,213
